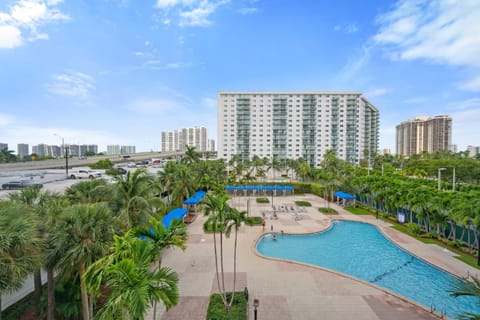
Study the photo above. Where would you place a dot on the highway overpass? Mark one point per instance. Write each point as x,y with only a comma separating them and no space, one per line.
76,162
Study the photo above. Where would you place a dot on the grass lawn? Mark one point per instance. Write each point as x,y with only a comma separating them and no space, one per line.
359,211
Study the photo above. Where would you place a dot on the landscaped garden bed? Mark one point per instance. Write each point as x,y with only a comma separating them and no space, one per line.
216,308
327,210
262,200
302,203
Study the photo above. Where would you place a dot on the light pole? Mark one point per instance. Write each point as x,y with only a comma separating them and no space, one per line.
440,176
65,150
256,303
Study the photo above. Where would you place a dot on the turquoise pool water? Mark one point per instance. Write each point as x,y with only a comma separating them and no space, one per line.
361,250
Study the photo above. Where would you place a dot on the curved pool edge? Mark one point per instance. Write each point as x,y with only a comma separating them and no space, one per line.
344,275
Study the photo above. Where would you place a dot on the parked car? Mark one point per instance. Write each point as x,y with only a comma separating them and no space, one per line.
20,184
84,174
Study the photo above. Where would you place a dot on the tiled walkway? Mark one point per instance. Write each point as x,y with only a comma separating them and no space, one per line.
290,290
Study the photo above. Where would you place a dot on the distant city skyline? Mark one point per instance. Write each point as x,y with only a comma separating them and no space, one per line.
122,71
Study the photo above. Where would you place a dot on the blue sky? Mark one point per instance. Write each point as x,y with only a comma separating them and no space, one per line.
122,71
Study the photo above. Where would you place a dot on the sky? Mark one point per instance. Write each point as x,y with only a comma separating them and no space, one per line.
122,71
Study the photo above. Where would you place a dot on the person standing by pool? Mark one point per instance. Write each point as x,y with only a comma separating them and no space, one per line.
271,227
263,225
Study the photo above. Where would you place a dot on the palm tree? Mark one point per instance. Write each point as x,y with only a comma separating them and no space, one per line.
29,196
133,286
136,197
467,287
84,233
91,191
20,246
222,219
191,156
161,237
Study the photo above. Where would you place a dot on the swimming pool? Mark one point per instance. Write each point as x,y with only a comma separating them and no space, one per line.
361,250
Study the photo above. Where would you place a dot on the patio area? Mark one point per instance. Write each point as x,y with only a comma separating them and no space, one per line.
290,290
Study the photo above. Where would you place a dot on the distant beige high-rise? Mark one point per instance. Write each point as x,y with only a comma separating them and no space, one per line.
178,139
424,134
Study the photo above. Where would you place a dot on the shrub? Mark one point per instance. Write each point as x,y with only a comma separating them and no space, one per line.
317,189
216,309
102,164
263,200
414,229
303,203
328,210
253,221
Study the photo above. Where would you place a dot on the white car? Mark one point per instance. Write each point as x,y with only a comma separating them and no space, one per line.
84,174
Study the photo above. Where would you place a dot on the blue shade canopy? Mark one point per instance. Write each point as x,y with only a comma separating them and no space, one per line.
258,188
195,198
177,213
344,195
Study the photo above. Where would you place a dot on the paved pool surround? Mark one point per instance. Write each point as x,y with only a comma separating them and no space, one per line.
289,290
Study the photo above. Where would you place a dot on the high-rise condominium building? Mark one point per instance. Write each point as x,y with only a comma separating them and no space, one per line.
178,139
117,149
473,150
3,146
424,134
22,150
291,125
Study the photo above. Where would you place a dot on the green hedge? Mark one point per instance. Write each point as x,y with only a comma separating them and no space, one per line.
253,221
303,203
328,210
216,309
262,200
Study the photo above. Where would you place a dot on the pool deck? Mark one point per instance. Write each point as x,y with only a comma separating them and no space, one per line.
286,290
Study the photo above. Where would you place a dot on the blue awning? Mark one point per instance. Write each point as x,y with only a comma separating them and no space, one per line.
344,195
195,198
177,213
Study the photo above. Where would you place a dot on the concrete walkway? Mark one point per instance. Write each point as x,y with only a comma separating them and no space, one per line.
286,290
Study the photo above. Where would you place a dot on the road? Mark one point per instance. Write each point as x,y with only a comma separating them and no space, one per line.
75,162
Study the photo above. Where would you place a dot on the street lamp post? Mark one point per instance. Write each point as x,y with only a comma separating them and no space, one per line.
440,176
256,303
65,150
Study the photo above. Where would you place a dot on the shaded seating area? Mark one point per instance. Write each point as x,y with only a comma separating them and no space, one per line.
344,197
259,190
191,204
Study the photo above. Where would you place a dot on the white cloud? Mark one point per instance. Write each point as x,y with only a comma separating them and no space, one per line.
349,28
71,83
189,12
5,120
245,11
471,85
23,20
377,92
10,37
442,31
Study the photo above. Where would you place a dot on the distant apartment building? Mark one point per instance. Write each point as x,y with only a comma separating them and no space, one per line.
291,125
473,150
41,150
424,134
211,145
118,149
177,140
23,150
3,146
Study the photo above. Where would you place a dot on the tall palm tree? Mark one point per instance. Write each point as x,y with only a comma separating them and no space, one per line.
84,233
222,219
20,246
133,286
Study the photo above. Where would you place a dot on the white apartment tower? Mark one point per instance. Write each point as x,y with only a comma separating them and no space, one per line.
292,125
192,137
